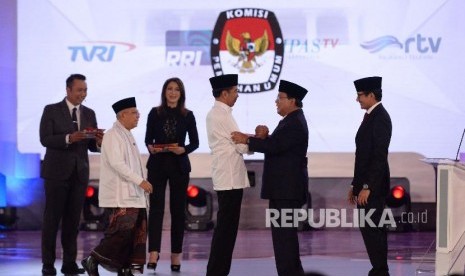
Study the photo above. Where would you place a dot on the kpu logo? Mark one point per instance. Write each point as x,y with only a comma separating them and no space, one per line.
103,51
248,42
417,44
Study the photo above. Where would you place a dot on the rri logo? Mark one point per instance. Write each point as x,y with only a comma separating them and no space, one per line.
422,45
99,50
188,48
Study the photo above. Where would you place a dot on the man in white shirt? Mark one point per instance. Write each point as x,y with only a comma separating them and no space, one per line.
122,189
229,173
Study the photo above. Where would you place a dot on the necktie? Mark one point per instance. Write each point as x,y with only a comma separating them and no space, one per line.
75,121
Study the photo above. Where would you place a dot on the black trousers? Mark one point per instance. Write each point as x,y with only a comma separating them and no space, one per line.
178,181
63,203
286,241
225,233
375,238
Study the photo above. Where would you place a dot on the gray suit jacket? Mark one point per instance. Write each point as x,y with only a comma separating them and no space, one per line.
60,158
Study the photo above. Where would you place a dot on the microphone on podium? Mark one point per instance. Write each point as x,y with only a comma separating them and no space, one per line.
458,150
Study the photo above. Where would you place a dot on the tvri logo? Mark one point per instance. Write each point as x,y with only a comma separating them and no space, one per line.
336,218
103,51
419,43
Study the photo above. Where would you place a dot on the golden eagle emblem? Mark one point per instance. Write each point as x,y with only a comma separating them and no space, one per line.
247,50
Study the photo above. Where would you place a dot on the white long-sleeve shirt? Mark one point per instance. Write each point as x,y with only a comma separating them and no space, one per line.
121,170
228,167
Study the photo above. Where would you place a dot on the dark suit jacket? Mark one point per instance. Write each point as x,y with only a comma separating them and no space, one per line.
155,135
371,155
60,158
285,173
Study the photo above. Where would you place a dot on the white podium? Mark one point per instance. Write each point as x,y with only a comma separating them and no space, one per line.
450,216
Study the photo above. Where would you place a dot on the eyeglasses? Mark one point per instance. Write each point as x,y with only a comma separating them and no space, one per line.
280,98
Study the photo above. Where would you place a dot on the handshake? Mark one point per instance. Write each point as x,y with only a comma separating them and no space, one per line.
261,132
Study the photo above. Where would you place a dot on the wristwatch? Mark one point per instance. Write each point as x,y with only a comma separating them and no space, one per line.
365,187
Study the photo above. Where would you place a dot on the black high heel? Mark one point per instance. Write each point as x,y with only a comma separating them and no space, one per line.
153,265
176,268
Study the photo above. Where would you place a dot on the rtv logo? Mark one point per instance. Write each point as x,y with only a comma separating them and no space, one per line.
416,44
103,51
187,48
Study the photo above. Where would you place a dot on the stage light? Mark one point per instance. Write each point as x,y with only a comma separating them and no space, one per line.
8,218
199,209
94,217
398,200
397,197
398,192
90,192
192,191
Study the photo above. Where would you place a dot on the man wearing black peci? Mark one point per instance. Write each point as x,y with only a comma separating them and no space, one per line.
285,175
370,184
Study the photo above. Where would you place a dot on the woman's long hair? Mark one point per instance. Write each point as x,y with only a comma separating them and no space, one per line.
180,107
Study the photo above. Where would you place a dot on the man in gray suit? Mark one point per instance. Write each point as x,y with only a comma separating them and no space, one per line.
65,170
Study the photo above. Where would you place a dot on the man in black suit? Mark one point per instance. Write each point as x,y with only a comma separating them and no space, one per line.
285,176
370,185
65,170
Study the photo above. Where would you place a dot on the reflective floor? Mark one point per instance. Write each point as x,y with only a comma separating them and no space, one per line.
329,252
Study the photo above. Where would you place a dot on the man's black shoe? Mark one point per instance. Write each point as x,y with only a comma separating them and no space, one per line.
48,270
72,268
91,266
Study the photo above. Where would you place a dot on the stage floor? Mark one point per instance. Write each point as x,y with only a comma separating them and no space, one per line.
329,252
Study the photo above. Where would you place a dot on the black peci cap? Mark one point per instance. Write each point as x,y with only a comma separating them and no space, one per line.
123,104
293,90
223,81
368,84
